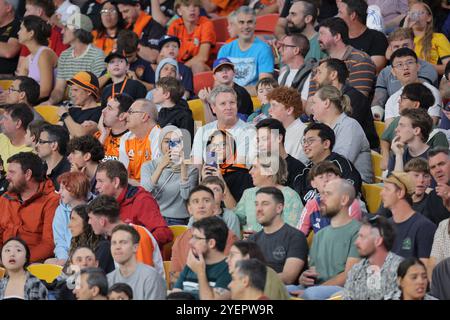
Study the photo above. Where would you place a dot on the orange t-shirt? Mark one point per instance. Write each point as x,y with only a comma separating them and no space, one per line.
190,42
145,249
138,151
104,43
225,7
111,145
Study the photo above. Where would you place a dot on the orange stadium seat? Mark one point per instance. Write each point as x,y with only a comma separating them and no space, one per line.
266,24
177,231
256,103
203,80
371,193
221,29
49,113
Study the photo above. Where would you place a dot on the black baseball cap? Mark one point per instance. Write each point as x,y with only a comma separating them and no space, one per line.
116,54
166,38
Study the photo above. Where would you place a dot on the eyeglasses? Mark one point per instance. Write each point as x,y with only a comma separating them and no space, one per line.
132,111
198,238
309,141
42,141
282,45
11,89
108,11
403,65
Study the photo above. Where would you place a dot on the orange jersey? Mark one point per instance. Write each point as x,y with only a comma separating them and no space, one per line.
225,7
190,42
111,145
103,42
145,249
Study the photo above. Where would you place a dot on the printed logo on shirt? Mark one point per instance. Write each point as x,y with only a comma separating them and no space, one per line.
279,253
131,154
245,70
407,244
196,42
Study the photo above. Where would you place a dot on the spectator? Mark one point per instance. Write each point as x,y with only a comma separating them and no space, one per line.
334,72
206,262
74,191
147,29
375,275
18,282
51,147
145,281
248,280
64,10
82,118
330,107
429,46
120,291
163,11
401,58
117,67
137,206
284,248
106,31
169,47
93,285
81,56
9,43
312,219
439,285
85,154
168,94
40,65
271,139
419,171
244,250
391,12
286,106
200,205
438,203
140,144
223,73
318,141
196,34
252,58
412,281
301,19
268,171
3,181
414,232
333,39
13,125
33,133
33,221
219,8
441,241
169,178
412,133
387,82
293,50
93,11
372,42
333,251
112,125
263,88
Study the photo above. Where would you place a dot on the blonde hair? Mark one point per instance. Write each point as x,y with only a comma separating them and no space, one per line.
266,161
341,101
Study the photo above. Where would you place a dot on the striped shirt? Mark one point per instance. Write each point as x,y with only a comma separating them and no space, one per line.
91,60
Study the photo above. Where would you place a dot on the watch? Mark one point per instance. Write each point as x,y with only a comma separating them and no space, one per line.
64,116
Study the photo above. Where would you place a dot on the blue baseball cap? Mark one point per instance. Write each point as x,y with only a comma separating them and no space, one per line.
221,62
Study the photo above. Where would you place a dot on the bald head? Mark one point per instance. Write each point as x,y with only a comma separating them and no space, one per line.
338,195
148,107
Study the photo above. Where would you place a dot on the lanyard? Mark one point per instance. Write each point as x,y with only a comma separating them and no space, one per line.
121,89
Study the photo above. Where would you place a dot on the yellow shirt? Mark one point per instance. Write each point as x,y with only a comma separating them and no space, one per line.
440,48
7,149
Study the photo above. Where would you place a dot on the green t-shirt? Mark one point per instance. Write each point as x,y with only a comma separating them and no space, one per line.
314,49
437,140
331,247
218,277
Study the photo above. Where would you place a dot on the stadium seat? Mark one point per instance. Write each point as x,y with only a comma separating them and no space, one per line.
5,84
221,29
167,273
203,80
266,24
46,272
376,165
371,193
219,45
379,128
49,113
2,272
256,103
177,230
198,113
336,297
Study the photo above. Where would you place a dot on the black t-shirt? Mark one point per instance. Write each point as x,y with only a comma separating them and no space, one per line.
132,87
406,157
413,237
187,78
79,115
61,167
435,209
294,167
372,42
151,34
348,170
238,180
362,113
244,101
104,257
277,247
8,66
143,70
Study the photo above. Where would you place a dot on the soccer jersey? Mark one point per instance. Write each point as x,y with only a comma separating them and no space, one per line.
111,145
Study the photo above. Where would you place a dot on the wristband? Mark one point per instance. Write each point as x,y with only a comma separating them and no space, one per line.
64,116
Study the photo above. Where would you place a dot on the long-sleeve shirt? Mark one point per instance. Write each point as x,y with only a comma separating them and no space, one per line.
61,232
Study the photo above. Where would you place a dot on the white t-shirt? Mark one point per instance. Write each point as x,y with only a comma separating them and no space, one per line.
293,141
289,79
392,105
305,90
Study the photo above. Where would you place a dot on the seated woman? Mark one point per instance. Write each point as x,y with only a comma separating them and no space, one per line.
412,281
169,178
221,162
74,191
264,174
196,34
42,61
111,23
18,283
243,249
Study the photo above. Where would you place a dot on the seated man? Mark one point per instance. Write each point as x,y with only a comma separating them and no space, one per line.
9,43
93,285
248,280
29,206
206,272
333,251
285,249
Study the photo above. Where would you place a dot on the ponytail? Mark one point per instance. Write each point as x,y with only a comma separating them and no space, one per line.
340,101
346,104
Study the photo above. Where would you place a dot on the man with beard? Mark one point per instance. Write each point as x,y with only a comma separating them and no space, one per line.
285,248
27,209
301,19
375,275
333,252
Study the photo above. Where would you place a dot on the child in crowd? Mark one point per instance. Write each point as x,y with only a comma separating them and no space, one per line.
263,87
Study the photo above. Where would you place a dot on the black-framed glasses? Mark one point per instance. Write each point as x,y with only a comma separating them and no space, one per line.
282,45
198,238
401,65
42,141
12,89
132,111
108,11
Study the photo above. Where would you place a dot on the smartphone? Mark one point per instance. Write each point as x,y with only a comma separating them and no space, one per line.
211,159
